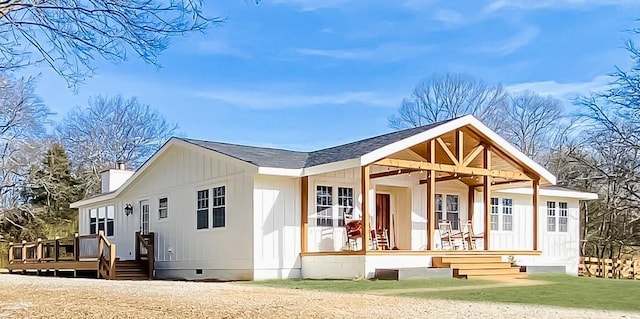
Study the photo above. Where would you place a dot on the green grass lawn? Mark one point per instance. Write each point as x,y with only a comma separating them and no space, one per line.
563,290
367,285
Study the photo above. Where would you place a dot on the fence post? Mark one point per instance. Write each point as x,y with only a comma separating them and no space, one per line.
76,247
151,254
100,247
137,248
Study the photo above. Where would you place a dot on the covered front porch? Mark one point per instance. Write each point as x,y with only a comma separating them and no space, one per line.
430,196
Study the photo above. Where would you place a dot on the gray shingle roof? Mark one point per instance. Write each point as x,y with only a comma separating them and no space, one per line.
280,158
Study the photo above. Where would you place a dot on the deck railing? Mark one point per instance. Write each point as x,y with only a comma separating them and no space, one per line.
77,248
145,252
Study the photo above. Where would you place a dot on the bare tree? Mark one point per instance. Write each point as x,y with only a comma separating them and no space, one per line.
68,35
22,119
111,129
534,123
442,97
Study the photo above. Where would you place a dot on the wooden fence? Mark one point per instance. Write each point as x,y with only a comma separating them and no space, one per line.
609,268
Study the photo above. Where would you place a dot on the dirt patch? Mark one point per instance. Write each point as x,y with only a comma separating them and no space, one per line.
46,297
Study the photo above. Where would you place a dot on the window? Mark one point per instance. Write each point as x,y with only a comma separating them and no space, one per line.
507,214
452,211
324,203
551,216
203,209
93,220
495,213
345,204
563,215
218,207
102,218
163,208
438,210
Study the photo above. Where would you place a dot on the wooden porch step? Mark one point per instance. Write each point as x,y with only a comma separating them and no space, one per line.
491,265
521,275
489,271
130,270
470,259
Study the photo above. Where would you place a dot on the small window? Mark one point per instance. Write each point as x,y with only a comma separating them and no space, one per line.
102,218
218,207
324,203
163,208
203,209
507,214
563,217
345,204
551,216
111,215
93,221
495,211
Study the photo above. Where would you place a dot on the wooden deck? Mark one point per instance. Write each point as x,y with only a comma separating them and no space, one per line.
82,253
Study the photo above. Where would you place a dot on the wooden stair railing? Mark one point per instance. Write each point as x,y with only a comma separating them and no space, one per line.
106,257
145,252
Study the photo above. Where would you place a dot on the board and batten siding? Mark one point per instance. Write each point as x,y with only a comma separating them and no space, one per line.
179,172
276,220
322,238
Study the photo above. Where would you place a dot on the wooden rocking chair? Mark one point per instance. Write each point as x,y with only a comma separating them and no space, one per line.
353,229
469,236
380,239
448,239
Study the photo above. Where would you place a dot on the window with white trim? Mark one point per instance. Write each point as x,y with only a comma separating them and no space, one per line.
218,210
163,208
438,210
102,218
453,211
495,213
324,206
551,216
345,204
202,212
563,217
507,214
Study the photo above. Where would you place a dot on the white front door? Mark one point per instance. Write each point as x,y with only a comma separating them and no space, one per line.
144,217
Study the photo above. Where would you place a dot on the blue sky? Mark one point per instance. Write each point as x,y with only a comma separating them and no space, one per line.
304,74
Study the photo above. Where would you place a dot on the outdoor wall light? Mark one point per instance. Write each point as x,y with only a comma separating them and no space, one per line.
128,209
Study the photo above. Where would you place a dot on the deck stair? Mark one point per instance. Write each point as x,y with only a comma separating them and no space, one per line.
130,270
478,267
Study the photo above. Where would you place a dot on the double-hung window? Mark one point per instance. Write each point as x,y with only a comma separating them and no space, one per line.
163,208
563,216
324,206
218,207
453,212
202,212
507,214
345,204
551,216
495,213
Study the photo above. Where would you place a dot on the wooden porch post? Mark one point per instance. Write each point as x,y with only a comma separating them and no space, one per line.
535,199
430,206
487,199
431,209
304,219
365,184
471,199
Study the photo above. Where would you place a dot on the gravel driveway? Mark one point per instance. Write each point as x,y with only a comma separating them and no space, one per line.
47,297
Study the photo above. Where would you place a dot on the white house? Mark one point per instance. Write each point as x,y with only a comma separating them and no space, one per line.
235,212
